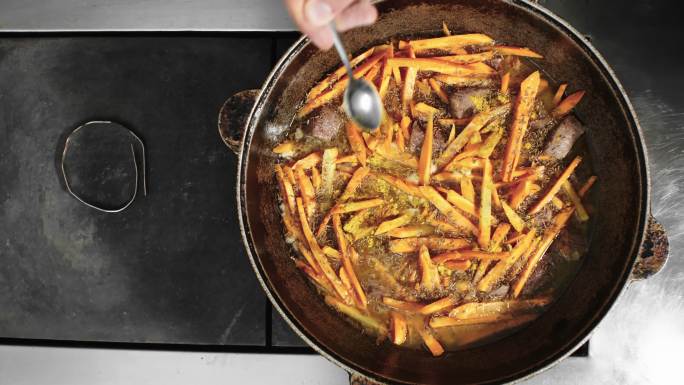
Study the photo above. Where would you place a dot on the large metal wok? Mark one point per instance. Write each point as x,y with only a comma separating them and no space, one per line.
627,244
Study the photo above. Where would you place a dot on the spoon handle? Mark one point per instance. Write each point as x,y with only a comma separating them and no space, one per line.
337,41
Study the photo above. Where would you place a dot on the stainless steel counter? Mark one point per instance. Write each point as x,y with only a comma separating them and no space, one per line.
638,341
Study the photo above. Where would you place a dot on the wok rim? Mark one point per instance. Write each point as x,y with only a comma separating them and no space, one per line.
593,321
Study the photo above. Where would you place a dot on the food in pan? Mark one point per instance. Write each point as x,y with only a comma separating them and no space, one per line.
462,216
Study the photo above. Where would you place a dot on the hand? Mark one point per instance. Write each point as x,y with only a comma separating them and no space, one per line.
313,16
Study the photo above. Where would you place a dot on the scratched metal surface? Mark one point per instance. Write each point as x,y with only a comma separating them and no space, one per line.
638,341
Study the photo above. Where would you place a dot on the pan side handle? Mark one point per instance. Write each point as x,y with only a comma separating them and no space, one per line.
232,119
653,253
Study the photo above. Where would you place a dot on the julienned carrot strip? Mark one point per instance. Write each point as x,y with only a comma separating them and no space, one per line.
431,342
360,296
452,134
490,144
513,217
286,190
386,73
396,74
339,87
516,51
455,217
409,82
496,200
485,222
559,94
401,139
469,254
494,246
443,67
501,268
320,257
349,190
452,122
356,142
392,224
409,245
460,202
308,161
372,73
398,329
505,80
356,206
449,42
467,58
291,225
357,315
556,186
331,253
458,265
521,117
462,139
438,90
407,187
307,192
411,231
465,81
284,148
461,164
567,104
472,310
425,162
289,175
582,214
519,193
557,202
317,278
315,178
333,77
425,110
328,173
586,186
412,307
549,236
467,189
429,275
404,124
347,159
439,305
515,237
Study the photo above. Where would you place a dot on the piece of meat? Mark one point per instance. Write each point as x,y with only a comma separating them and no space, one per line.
416,139
326,124
461,103
496,62
564,137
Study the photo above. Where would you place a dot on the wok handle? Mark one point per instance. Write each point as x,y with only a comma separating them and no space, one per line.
232,119
653,253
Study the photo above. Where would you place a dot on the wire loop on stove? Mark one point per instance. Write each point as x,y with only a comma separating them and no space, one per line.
135,165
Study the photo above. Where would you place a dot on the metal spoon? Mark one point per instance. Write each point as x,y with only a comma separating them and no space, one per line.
361,100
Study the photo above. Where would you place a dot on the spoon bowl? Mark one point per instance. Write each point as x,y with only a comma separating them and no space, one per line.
362,104
361,100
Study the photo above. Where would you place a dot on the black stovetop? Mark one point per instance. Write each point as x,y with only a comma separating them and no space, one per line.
170,269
